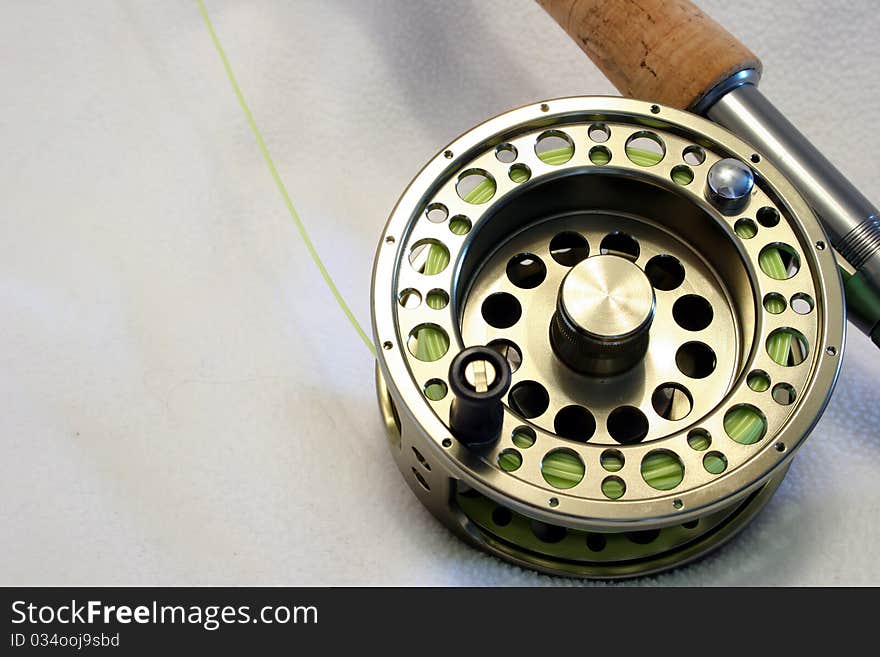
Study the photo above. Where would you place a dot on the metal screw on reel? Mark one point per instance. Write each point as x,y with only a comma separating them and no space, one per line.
670,330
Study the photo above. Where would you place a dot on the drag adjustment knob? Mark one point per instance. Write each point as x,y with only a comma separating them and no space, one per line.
478,377
603,312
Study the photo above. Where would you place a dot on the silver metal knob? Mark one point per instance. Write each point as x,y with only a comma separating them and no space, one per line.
603,312
729,185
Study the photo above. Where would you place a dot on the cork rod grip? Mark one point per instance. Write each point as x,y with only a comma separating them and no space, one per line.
666,51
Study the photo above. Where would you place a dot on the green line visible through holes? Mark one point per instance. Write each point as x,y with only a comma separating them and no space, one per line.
280,184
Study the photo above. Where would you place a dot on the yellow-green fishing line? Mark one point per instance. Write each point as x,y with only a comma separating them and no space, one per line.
482,192
714,463
459,225
747,230
662,470
280,184
519,174
557,155
613,487
600,155
642,157
682,176
510,461
523,440
562,469
744,425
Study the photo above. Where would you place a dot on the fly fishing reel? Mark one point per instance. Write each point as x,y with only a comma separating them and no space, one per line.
604,327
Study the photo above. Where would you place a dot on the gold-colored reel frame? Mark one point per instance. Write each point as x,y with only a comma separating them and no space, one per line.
705,508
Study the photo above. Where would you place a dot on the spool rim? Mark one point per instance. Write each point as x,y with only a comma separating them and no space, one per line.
571,510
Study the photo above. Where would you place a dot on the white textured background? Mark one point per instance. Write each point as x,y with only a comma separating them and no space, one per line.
182,403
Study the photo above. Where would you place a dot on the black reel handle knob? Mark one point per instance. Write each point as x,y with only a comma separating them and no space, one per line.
478,377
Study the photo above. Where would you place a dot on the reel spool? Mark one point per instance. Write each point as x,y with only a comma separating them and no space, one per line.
603,328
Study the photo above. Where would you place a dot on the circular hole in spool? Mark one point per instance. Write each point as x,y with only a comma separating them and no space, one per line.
745,424
784,394
831,351
428,342
599,133
460,225
715,463
501,516
428,257
755,158
767,217
665,272
510,351
613,487
779,261
528,399
620,244
600,156
596,542
547,533
643,537
682,175
612,460
627,425
475,186
758,380
569,248
655,109
519,173
437,299
501,310
774,303
745,228
553,502
672,401
505,153
662,469
554,147
575,423
692,312
787,347
526,270
448,155
695,360
562,468
645,148
436,389
437,213
509,460
802,303
694,155
699,440
523,437
409,298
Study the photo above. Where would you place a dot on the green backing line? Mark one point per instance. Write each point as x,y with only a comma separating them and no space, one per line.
280,184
